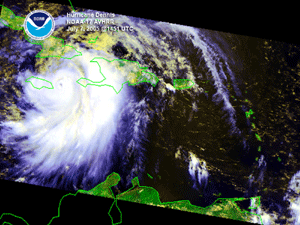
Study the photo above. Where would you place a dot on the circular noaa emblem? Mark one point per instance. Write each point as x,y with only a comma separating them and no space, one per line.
39,24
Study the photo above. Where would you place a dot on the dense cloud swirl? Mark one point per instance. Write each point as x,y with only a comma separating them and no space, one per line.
194,142
69,125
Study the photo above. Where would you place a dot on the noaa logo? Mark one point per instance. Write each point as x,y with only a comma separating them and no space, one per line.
39,24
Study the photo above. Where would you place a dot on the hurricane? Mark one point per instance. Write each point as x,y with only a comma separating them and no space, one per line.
200,141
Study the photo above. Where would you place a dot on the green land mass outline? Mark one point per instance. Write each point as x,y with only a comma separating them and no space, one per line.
32,78
138,77
182,83
222,207
52,46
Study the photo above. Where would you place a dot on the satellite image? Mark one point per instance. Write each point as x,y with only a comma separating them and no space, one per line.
195,114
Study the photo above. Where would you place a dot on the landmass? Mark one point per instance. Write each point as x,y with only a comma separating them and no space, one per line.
182,83
104,189
8,18
39,83
93,40
115,71
222,207
52,46
133,74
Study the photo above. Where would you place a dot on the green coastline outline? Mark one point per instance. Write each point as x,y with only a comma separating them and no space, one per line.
36,42
129,84
104,190
179,82
27,80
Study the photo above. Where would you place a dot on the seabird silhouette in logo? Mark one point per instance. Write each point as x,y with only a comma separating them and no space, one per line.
37,27
39,24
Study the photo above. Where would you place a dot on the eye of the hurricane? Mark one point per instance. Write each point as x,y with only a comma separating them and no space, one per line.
60,83
73,125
